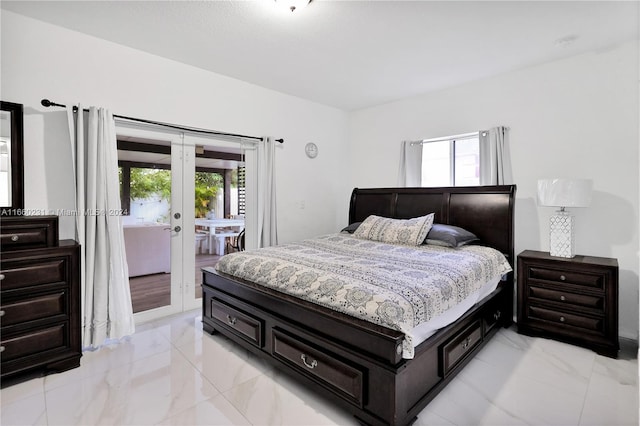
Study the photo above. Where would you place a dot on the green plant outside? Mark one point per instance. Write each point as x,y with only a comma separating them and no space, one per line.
147,183
206,188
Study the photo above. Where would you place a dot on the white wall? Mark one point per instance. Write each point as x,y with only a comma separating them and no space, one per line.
40,60
571,118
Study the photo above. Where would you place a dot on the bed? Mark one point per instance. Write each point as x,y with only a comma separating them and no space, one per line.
362,366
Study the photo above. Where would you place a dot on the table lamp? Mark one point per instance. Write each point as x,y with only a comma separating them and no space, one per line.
563,193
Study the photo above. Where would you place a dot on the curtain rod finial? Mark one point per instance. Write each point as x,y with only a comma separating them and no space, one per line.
280,140
45,102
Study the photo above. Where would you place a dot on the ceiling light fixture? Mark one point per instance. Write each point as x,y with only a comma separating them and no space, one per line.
293,5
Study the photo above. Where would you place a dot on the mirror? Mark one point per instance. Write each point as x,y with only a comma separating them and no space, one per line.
11,159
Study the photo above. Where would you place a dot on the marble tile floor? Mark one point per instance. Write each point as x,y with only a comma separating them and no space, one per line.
171,373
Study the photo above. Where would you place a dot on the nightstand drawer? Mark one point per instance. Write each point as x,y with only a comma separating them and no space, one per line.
567,319
565,297
564,276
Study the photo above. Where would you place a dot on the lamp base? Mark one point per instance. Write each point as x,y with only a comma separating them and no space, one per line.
561,236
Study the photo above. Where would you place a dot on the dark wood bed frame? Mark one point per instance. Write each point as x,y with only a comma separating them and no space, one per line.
357,364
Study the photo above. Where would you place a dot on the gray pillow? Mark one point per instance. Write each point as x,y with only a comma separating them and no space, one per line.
449,236
351,228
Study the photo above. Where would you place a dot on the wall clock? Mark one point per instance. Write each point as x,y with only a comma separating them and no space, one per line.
311,149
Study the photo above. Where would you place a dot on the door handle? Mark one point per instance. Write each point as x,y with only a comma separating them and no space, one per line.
177,229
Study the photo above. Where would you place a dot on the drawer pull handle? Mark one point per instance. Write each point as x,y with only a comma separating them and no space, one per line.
561,319
563,298
231,320
1,277
2,348
313,364
14,238
466,343
562,278
497,315
2,313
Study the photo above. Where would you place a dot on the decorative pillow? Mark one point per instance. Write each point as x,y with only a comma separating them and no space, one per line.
396,231
449,236
351,228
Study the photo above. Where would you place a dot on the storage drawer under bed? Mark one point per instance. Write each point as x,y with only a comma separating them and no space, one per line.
459,346
324,367
246,326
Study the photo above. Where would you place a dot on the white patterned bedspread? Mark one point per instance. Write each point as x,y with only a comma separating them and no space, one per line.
397,286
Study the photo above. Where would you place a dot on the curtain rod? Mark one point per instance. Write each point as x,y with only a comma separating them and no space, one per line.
449,138
454,137
47,103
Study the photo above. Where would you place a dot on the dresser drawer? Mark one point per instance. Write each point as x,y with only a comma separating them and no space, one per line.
565,297
563,319
595,281
456,349
248,327
28,232
34,308
34,342
21,274
324,367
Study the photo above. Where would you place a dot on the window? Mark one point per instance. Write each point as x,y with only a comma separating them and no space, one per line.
451,161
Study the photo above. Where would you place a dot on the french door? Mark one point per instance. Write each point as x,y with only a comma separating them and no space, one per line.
165,252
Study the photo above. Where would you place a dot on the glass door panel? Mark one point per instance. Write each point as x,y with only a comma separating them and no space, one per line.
147,235
218,212
150,179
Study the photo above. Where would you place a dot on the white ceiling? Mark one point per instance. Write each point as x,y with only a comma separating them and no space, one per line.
351,54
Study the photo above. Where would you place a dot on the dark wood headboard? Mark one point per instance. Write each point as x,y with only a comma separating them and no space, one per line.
487,211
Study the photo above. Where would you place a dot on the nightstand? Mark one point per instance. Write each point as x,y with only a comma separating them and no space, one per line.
574,300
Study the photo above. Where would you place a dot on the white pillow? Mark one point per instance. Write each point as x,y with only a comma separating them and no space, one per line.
395,231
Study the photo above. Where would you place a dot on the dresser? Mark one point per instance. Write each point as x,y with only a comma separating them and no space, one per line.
39,299
574,300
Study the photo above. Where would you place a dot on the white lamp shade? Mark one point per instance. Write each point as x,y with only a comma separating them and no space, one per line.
565,192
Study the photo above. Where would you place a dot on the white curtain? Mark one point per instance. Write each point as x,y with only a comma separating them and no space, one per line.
410,172
267,212
495,163
107,313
